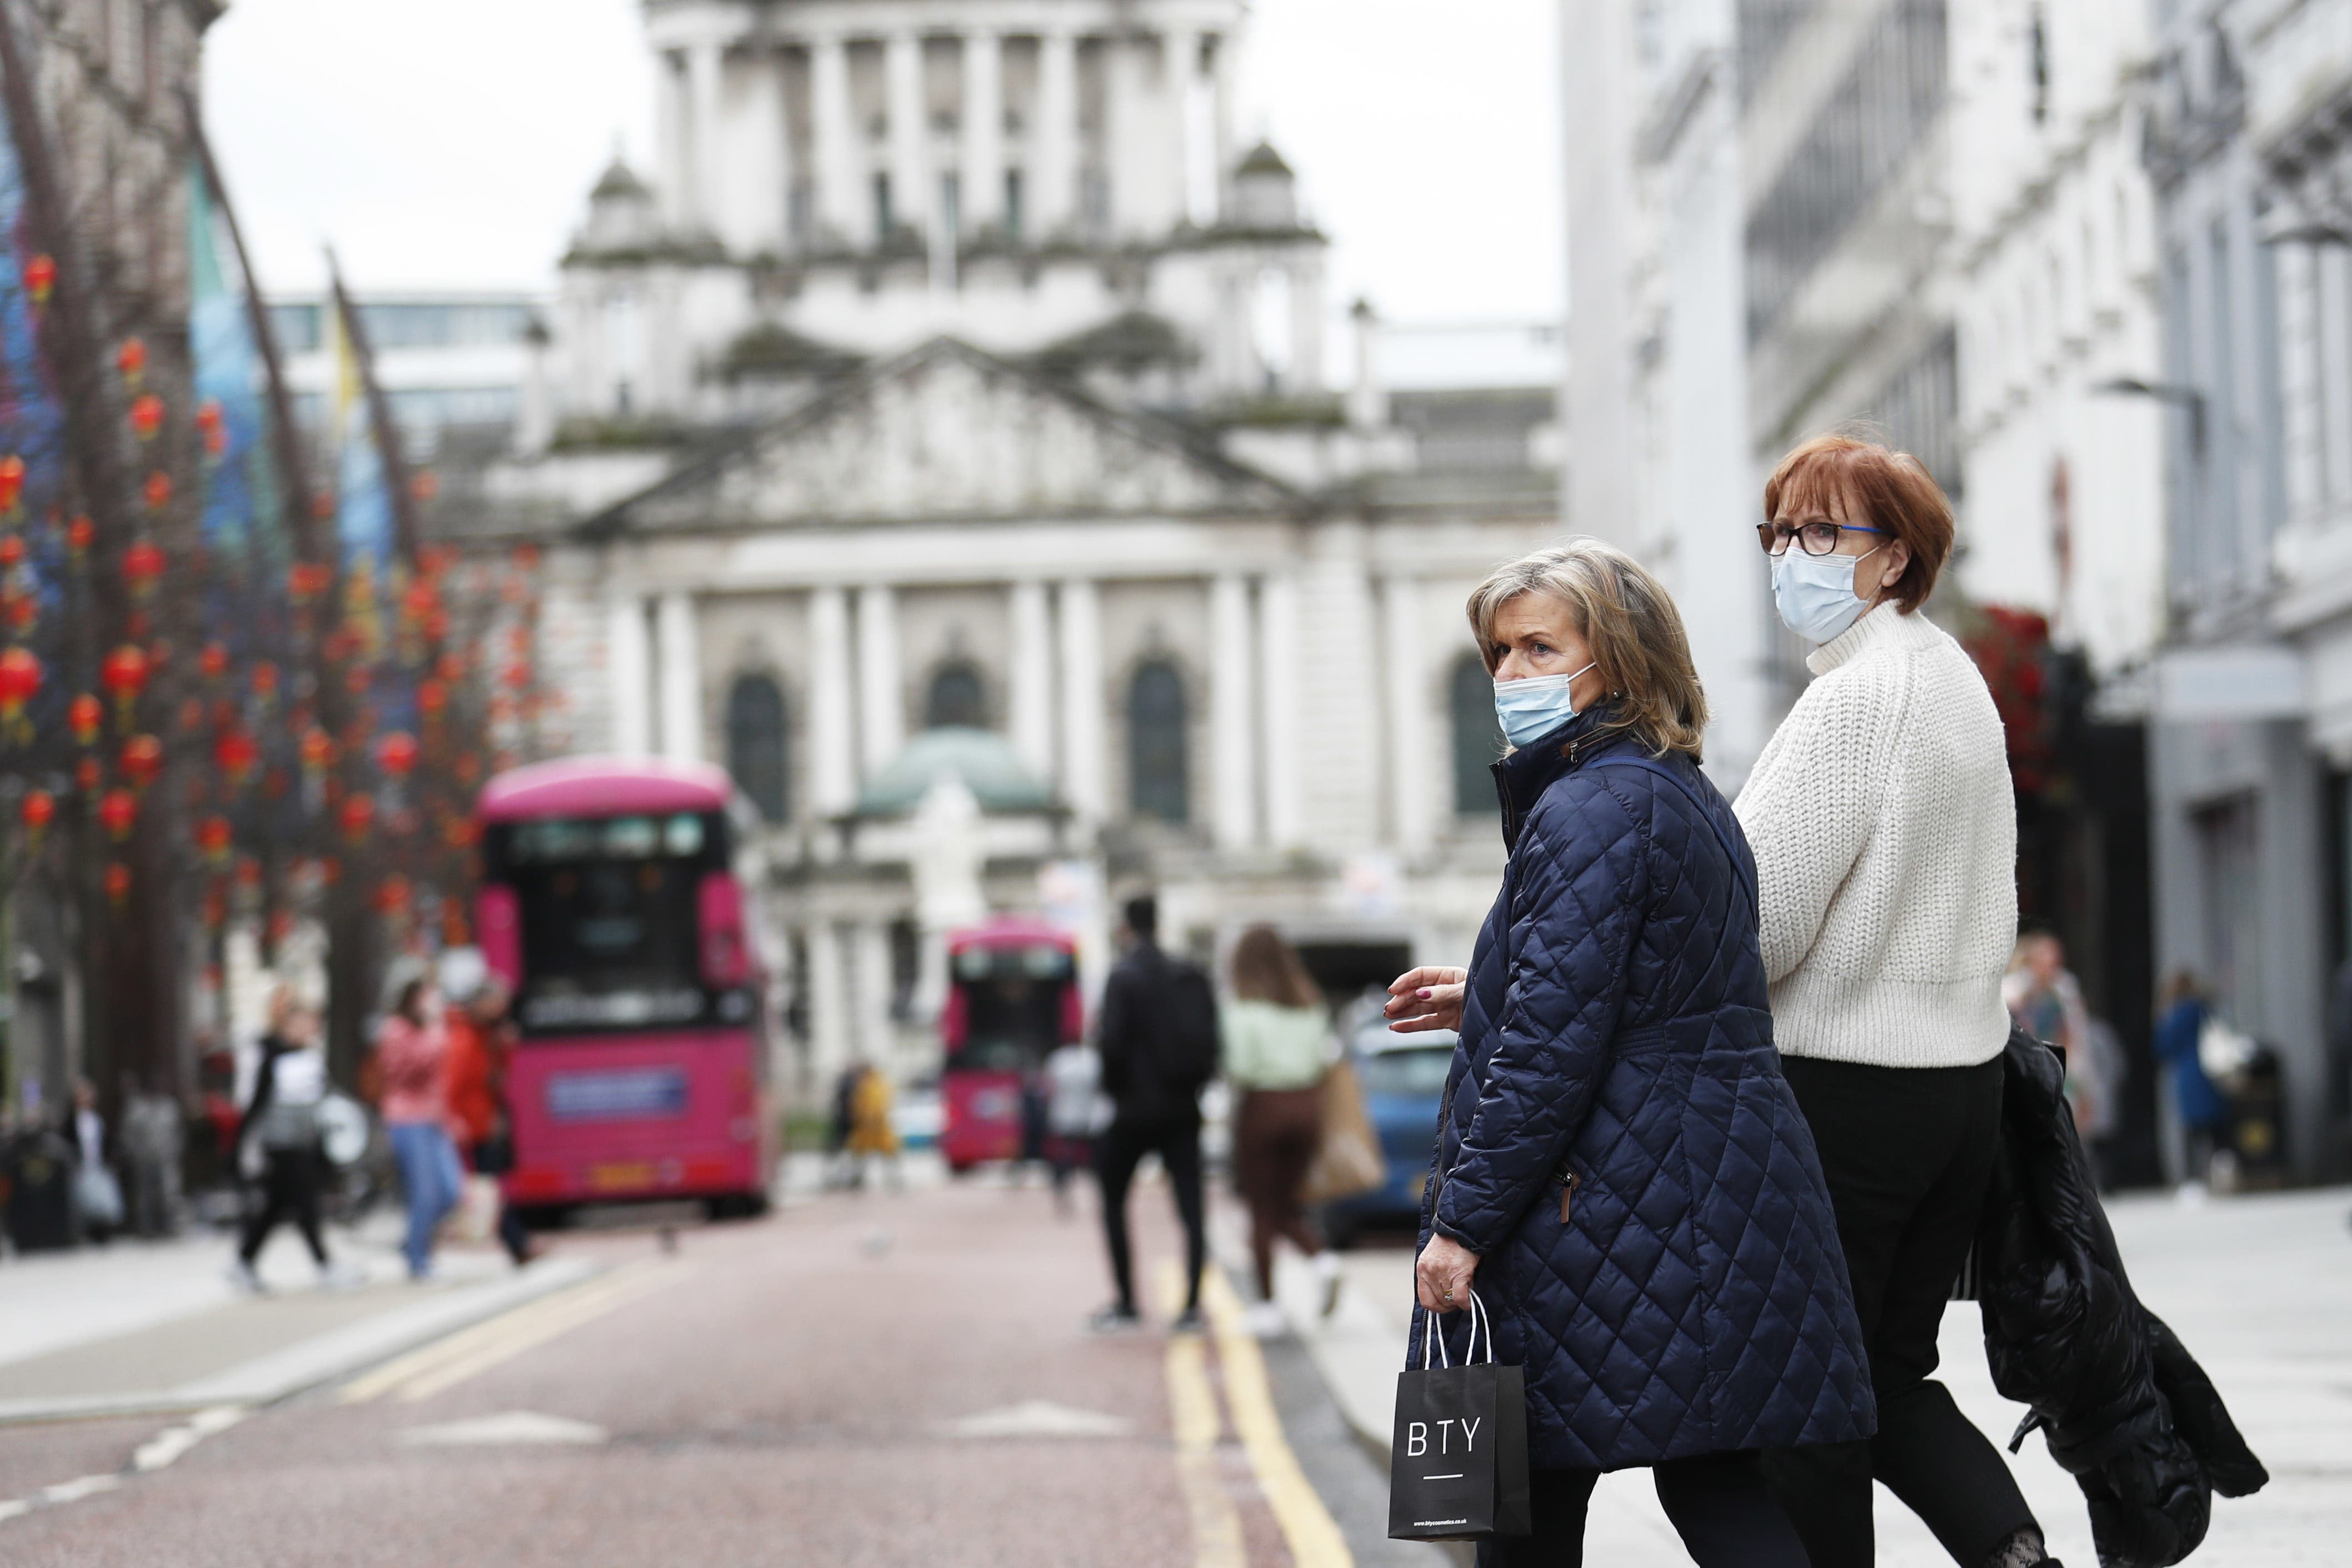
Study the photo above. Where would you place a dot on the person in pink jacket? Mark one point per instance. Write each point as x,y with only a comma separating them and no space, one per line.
413,1051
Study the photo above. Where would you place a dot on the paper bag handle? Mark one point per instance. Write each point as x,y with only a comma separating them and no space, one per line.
1478,1320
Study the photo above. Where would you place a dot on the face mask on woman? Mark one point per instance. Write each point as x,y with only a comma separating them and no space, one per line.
1815,593
1531,708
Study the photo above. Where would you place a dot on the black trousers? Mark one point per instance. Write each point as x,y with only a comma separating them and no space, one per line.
1719,1504
1117,1153
289,1187
1908,1153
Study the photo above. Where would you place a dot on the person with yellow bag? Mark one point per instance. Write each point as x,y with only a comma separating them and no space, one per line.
1277,1053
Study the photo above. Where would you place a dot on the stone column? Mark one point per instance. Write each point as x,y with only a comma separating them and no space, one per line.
673,164
1179,62
1413,761
1306,376
1082,786
881,714
757,210
912,199
832,142
1054,175
1233,710
981,164
628,666
1221,133
1278,653
706,155
1031,716
828,1009
833,746
877,1037
681,679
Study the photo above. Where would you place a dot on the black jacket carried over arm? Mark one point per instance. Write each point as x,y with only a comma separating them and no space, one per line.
2124,1407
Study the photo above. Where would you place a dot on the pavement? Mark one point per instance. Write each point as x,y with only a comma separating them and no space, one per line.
901,1376
2256,1286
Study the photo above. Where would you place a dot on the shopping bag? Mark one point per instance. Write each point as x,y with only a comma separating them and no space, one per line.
1348,1157
1458,1467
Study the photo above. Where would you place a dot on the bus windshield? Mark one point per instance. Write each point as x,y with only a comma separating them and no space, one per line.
609,918
1012,1004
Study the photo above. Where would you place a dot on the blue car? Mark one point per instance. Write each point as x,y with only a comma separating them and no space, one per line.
1403,1076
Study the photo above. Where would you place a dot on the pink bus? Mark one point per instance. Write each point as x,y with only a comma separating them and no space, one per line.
611,905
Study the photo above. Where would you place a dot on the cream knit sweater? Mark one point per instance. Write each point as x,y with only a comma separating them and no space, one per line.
1885,841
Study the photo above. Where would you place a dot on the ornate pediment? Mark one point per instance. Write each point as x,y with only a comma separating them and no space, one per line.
947,431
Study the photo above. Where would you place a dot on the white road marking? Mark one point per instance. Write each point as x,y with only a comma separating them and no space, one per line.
78,1489
1038,1418
169,1446
511,1429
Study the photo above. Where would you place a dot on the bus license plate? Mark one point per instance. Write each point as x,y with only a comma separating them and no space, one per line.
629,1095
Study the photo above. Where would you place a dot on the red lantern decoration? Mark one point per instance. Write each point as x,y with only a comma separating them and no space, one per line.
460,832
265,679
131,359
236,753
306,580
215,906
424,485
142,760
21,610
517,676
86,775
83,716
213,838
357,815
158,491
392,895
396,753
118,812
12,550
468,769
450,668
125,674
317,748
41,277
12,483
249,871
38,810
213,427
118,884
431,697
146,416
142,568
80,534
20,680
525,557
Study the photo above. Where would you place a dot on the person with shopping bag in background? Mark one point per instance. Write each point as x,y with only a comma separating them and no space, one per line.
1621,1170
1276,1057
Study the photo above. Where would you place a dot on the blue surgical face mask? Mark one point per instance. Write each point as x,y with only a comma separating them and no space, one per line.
1814,594
1531,708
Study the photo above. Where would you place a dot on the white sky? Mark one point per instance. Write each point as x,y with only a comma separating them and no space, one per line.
450,143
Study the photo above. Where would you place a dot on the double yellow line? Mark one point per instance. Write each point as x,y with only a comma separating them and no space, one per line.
1307,1527
443,1364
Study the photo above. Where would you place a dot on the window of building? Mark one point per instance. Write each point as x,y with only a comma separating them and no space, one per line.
755,744
1013,217
1159,777
884,220
800,202
951,210
958,698
1477,737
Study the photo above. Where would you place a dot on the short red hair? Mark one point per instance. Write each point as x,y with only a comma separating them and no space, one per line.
1869,485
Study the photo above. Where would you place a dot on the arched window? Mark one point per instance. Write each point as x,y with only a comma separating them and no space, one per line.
755,744
1158,757
957,699
1477,737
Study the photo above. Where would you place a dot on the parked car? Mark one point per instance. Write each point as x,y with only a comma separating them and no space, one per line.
1403,1078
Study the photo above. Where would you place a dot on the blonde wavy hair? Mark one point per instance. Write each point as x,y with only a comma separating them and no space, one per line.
1628,620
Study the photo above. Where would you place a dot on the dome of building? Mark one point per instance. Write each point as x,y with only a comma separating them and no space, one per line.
982,759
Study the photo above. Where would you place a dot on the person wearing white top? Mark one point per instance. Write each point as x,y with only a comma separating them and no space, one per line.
1885,832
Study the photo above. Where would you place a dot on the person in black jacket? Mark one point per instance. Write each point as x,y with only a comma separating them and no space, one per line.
1156,1033
283,1120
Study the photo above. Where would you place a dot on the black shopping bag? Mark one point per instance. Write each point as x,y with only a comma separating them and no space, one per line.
1458,1468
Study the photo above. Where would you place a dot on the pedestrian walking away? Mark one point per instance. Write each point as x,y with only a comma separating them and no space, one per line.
281,1130
1616,1111
1074,1113
1277,1047
2199,1116
413,1053
1157,1035
1885,833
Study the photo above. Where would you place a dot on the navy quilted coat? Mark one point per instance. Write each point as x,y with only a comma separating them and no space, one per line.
1615,1030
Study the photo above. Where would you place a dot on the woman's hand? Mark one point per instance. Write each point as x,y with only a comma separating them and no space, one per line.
1441,1277
1426,998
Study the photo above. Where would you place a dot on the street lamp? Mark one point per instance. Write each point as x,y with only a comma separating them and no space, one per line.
2187,397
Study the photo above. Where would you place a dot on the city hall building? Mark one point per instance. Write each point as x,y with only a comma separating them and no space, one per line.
940,438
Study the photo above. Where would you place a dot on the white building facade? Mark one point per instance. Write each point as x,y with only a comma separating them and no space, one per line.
948,412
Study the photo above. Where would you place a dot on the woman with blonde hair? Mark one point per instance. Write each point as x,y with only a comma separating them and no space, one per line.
1885,840
1276,1033
1621,1170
